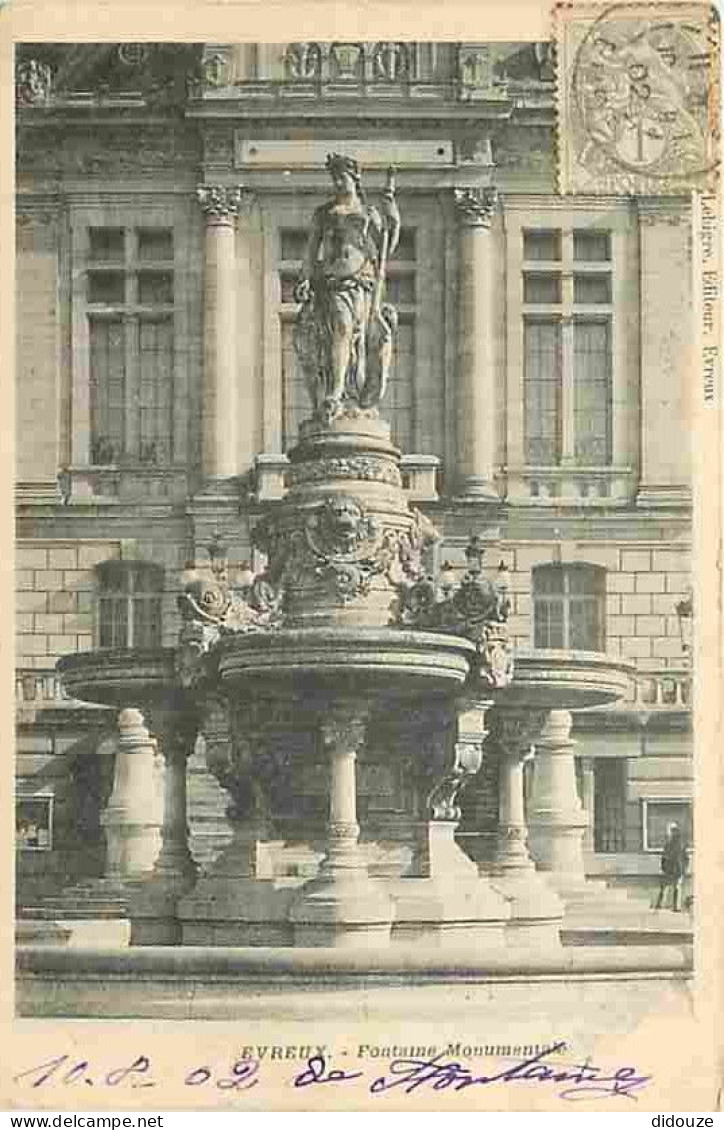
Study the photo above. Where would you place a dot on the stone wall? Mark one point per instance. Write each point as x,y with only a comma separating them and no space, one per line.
55,598
643,587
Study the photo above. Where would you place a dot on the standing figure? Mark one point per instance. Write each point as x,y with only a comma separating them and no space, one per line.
673,866
343,333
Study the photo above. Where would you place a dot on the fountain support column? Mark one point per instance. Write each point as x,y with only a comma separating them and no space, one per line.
342,906
343,734
476,413
557,821
154,911
131,818
537,912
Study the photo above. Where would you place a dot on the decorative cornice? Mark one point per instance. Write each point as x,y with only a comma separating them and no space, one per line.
672,210
220,203
476,206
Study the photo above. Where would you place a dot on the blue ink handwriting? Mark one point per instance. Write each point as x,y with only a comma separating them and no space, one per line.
582,1080
316,1072
574,1082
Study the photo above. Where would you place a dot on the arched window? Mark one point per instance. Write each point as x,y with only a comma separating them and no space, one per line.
129,604
569,604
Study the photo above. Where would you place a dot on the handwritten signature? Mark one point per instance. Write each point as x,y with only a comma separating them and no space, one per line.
581,1080
577,1081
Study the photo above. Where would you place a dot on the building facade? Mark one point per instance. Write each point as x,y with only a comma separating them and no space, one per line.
539,383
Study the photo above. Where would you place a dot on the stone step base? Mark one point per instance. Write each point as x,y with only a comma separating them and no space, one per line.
98,898
536,993
623,935
36,932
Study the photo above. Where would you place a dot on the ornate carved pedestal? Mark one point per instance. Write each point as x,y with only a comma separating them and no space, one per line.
536,911
444,900
238,901
342,906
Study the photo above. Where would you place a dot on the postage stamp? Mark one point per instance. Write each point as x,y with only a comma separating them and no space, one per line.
638,99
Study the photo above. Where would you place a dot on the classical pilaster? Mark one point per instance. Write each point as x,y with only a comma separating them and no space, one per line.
249,335
557,821
342,906
537,912
476,391
154,911
131,818
220,458
666,337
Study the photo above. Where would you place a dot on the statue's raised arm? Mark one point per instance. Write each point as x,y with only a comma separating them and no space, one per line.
344,332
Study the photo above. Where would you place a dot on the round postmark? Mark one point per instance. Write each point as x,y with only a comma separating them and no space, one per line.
641,91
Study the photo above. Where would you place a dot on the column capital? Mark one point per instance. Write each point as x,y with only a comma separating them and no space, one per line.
345,728
476,207
221,203
516,732
176,731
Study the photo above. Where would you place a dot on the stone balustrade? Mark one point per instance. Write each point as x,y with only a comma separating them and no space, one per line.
580,485
39,687
80,484
669,688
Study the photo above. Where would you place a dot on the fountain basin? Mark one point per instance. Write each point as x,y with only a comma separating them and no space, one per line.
386,663
565,680
122,677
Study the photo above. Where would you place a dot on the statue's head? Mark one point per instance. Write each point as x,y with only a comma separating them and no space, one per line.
344,172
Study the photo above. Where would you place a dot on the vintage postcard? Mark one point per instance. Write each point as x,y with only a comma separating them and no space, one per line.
366,558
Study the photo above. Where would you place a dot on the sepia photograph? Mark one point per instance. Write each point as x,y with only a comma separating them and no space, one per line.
356,603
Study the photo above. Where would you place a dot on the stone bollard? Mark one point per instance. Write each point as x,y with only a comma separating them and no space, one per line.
132,820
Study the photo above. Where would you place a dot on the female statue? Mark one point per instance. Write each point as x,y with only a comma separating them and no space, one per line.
343,334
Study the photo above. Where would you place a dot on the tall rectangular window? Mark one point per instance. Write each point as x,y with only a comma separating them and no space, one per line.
296,405
130,309
592,390
567,319
542,383
107,389
155,390
609,816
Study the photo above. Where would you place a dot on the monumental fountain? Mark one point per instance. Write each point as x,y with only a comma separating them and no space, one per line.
344,655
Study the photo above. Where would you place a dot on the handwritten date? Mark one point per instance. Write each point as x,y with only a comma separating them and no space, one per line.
241,1076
